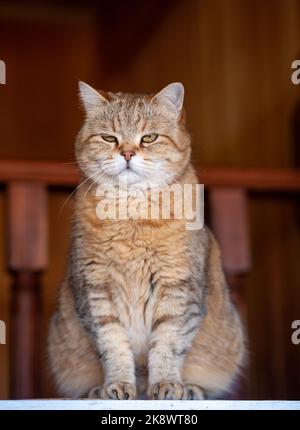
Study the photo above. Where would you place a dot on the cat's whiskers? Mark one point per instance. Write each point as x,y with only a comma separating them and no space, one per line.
96,182
73,192
87,191
78,161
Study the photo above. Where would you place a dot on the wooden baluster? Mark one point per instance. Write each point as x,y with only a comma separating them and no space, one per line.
229,220
27,244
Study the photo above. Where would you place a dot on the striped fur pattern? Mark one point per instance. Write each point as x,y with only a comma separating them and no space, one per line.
144,309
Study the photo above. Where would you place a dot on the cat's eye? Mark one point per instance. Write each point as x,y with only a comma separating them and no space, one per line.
109,138
149,138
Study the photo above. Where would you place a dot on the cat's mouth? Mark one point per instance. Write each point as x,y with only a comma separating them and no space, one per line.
128,168
130,174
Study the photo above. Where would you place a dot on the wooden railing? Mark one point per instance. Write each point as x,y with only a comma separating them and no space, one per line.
28,183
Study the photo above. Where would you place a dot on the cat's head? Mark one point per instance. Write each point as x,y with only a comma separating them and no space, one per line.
141,139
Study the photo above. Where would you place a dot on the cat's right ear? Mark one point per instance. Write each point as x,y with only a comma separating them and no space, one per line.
90,98
171,97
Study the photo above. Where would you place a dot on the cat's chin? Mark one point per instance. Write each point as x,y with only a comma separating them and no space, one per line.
130,177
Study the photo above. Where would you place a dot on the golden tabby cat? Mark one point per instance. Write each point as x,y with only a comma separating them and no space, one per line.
144,307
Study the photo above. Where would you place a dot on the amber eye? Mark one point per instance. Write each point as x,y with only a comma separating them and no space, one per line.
149,138
109,138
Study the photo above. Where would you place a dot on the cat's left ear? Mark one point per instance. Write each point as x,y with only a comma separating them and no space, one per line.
90,98
172,97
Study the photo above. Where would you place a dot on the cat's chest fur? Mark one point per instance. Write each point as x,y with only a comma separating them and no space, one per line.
132,258
134,294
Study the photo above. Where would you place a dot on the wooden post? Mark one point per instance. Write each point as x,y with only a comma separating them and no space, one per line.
27,258
229,220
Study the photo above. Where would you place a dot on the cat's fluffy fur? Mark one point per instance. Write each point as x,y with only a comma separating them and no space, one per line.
144,305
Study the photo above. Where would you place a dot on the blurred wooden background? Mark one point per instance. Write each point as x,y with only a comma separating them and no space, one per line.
234,58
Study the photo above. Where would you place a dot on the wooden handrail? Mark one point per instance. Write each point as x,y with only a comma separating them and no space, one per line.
67,174
49,173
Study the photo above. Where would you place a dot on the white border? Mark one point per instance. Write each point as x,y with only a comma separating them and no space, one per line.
108,405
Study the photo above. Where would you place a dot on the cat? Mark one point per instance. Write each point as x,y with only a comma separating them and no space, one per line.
144,309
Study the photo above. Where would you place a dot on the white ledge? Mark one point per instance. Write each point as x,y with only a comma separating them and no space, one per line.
108,405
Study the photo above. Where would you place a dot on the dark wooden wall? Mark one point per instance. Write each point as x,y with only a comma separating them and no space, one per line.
234,57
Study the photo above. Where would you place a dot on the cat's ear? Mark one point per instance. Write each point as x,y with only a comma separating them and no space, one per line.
171,96
90,98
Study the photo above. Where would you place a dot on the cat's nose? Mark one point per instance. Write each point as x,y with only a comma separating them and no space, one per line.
127,154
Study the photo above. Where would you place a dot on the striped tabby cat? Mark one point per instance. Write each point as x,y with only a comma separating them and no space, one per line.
144,308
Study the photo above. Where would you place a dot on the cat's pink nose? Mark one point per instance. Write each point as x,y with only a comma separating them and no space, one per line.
127,154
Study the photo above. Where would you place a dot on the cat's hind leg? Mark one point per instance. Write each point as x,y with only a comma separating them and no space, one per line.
75,366
215,359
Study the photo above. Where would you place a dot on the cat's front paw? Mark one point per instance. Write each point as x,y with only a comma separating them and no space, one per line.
193,392
166,390
114,391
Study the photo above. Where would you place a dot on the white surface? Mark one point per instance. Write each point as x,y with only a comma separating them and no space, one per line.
108,405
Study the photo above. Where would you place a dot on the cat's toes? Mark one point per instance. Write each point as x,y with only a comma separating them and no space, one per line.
95,393
166,391
115,391
193,392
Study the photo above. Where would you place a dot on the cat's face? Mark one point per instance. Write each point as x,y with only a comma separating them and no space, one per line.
139,139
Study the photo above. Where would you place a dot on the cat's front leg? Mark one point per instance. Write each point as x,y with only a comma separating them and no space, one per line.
100,319
175,322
